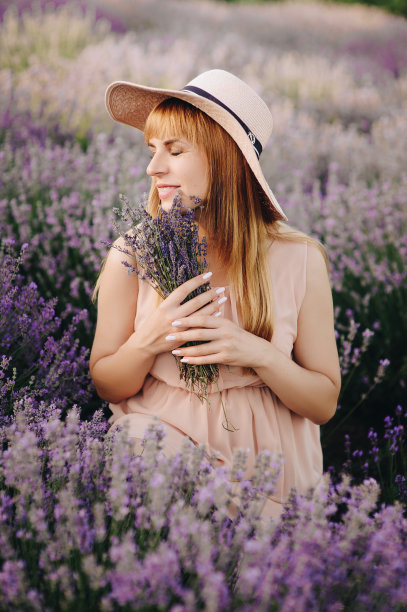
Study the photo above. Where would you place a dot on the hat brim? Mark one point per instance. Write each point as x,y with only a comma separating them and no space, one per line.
131,104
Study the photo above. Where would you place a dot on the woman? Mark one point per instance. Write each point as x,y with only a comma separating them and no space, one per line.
267,319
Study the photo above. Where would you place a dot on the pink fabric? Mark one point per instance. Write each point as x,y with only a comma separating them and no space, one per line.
261,420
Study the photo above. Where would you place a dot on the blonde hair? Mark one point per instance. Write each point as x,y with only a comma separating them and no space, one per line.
237,216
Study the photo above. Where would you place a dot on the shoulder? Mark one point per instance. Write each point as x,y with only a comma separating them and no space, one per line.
317,290
301,246
317,267
118,270
120,256
287,246
287,233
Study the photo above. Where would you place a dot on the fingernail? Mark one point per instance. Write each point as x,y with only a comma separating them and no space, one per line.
222,300
184,360
176,323
207,275
220,290
217,314
170,337
176,352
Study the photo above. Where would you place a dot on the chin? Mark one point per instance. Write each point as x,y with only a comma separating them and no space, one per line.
166,205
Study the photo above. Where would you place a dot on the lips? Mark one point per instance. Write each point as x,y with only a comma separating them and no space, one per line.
164,190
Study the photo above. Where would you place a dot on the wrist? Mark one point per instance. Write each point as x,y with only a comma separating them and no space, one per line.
142,344
263,355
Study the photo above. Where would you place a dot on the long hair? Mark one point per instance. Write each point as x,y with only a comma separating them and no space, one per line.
237,217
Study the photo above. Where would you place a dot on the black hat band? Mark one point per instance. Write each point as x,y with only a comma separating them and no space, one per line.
201,92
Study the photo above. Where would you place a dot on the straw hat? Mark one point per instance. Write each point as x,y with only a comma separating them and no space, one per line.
219,94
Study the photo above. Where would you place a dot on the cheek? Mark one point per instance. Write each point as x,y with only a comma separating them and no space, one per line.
201,180
193,177
205,184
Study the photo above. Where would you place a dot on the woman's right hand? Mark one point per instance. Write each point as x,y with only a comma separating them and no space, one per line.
154,336
121,357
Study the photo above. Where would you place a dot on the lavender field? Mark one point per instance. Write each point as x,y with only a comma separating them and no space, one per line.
84,524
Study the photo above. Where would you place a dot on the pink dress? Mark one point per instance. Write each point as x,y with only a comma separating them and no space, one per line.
261,420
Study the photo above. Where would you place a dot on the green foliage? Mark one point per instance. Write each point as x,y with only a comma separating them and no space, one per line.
367,399
397,7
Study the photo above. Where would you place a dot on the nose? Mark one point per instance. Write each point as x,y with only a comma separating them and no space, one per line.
157,165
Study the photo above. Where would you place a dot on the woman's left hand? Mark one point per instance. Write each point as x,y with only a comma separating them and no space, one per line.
224,342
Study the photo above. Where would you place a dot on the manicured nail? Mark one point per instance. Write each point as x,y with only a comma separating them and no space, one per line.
170,337
184,360
176,352
176,323
220,290
222,300
207,275
217,314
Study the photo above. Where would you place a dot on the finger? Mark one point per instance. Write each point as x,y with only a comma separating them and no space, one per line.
204,359
205,321
193,335
199,350
180,327
176,338
199,302
210,310
182,292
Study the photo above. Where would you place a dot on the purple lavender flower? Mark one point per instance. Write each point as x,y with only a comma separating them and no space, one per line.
38,357
84,518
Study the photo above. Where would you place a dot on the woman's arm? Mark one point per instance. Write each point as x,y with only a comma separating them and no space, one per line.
117,366
309,385
122,357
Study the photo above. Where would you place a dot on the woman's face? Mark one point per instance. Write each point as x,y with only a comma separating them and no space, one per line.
178,165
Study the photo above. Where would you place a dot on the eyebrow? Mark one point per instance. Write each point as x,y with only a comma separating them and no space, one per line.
167,142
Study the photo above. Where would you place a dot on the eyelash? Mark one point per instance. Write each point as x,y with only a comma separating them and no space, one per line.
151,154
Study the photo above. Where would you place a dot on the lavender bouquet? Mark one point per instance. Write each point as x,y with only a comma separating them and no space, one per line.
168,253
